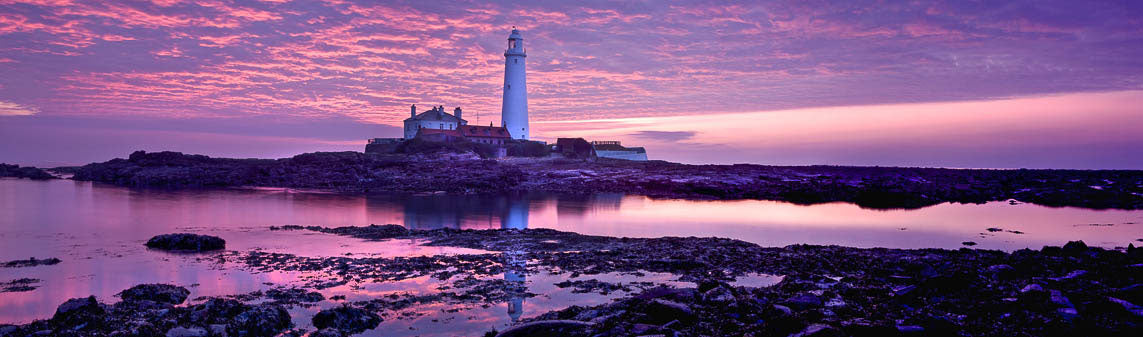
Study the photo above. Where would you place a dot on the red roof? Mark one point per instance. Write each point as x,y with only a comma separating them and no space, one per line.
483,131
427,131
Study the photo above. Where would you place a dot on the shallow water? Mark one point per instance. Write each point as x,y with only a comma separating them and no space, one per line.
98,232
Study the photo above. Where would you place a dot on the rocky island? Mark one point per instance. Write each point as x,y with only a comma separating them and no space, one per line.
466,173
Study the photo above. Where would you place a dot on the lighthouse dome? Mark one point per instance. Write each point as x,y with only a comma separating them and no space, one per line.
515,34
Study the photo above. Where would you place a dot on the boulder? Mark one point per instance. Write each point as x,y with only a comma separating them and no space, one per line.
186,242
346,319
263,320
187,332
1002,272
160,293
327,332
1075,247
804,301
660,311
79,311
216,311
818,330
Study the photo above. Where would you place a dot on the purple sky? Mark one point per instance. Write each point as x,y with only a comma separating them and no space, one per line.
823,81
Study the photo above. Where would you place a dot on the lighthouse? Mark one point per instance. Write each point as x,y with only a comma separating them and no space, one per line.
514,111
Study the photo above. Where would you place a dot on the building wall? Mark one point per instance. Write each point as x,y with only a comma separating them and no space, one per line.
627,155
411,126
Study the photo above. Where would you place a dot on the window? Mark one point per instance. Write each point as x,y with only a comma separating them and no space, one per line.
517,61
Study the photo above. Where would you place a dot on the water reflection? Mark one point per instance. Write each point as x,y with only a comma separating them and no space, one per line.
98,231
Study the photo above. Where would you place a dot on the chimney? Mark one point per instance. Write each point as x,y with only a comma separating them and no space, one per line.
413,111
456,112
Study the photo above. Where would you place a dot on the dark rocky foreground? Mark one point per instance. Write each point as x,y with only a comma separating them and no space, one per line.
1072,290
874,187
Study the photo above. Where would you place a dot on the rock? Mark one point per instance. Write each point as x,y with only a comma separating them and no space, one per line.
78,309
346,319
546,328
187,332
262,320
30,262
161,293
719,295
910,329
1066,309
1002,272
1132,293
1130,307
294,295
186,242
1075,247
660,311
804,301
784,309
1059,299
217,311
8,330
1071,275
1031,288
327,332
818,330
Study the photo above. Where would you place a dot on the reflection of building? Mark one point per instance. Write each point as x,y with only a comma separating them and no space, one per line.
458,211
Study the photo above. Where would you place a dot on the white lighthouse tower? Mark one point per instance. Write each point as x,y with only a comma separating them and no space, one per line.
514,112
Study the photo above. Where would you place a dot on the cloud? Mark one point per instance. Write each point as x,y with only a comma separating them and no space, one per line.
368,61
13,109
665,136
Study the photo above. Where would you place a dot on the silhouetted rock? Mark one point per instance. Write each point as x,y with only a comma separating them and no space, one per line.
1075,247
160,293
263,320
346,319
84,311
186,242
15,171
30,262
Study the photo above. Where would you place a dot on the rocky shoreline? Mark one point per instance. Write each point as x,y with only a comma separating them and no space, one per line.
871,187
16,171
824,290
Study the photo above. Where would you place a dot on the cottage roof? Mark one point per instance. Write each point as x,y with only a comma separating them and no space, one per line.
483,131
428,131
435,115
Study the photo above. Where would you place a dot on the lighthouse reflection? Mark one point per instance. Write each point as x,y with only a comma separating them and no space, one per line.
467,212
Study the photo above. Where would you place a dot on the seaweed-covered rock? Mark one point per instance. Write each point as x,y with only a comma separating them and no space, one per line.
161,293
346,319
30,262
186,242
83,311
262,320
187,332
